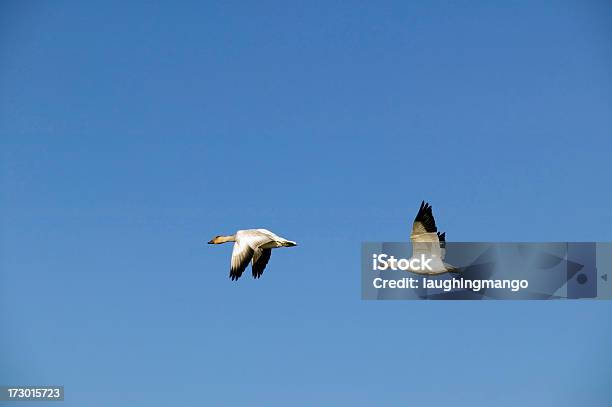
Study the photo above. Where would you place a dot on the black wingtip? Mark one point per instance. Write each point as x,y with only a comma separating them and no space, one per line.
425,216
442,239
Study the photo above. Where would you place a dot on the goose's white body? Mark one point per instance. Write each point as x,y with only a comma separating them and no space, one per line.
252,245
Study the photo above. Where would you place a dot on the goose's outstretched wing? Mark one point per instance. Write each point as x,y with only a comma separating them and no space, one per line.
260,260
242,254
424,221
442,239
424,234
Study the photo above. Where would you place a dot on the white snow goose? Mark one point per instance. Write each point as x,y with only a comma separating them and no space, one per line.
251,245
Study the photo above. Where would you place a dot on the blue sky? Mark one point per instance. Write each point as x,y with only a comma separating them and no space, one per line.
130,134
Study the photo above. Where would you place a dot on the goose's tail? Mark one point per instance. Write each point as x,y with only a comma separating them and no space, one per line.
451,269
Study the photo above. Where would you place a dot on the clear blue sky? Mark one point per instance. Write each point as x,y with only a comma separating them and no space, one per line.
132,133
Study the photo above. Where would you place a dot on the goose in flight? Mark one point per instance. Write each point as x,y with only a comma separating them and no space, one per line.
427,241
251,245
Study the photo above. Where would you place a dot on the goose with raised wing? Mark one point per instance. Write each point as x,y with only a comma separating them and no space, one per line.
428,242
251,246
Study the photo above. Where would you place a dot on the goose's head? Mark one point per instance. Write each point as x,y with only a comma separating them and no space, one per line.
215,240
222,239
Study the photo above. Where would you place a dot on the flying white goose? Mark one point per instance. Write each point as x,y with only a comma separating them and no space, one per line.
427,241
251,244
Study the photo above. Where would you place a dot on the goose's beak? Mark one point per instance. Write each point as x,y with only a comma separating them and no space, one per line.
211,242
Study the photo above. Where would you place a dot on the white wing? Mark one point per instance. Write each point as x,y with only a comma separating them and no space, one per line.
241,256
